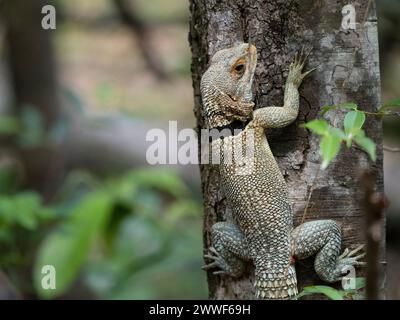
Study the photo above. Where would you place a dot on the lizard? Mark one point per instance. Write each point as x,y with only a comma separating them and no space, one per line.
262,230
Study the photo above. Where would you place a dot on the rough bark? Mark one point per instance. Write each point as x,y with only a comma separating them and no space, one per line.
347,65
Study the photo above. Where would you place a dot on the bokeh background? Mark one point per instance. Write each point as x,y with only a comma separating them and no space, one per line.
75,187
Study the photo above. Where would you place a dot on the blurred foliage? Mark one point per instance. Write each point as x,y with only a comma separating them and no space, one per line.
133,236
154,11
389,52
27,131
100,58
130,237
119,237
335,294
176,10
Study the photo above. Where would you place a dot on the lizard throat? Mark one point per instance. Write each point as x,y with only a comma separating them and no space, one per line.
232,128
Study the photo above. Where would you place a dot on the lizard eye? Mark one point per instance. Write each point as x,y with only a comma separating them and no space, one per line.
240,68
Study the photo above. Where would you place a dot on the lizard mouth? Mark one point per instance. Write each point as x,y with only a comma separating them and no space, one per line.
242,110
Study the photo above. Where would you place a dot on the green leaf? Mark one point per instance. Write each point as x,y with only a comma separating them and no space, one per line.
161,179
6,210
26,206
329,148
181,209
366,144
389,106
9,125
346,105
353,121
33,130
67,248
391,103
330,292
317,126
9,174
360,283
337,132
356,293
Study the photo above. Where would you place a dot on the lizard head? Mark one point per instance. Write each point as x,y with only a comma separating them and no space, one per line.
226,86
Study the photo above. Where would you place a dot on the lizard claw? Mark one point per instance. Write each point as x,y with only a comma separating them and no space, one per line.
209,266
344,254
295,70
216,262
220,272
301,57
305,56
348,254
305,74
359,248
216,253
349,258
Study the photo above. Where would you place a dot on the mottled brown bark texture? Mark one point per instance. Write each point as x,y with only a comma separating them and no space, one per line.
347,65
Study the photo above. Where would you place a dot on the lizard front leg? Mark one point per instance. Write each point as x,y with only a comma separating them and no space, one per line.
323,238
276,117
229,250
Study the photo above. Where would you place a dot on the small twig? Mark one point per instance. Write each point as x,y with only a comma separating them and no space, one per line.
374,205
366,12
391,149
305,210
310,194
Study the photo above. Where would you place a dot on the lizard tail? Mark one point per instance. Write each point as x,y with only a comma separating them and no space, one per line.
276,285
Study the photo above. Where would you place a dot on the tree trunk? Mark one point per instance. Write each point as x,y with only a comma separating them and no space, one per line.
347,65
34,82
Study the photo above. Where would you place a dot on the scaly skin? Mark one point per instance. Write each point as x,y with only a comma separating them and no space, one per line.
254,186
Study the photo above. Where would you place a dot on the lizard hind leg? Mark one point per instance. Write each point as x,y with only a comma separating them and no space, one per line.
229,250
323,238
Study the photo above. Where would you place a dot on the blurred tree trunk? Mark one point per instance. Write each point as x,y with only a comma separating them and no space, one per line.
347,71
129,17
34,81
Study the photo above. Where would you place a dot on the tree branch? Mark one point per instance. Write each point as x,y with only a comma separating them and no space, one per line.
141,31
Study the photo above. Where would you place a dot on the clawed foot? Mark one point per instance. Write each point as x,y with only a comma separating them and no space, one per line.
295,76
217,262
349,258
